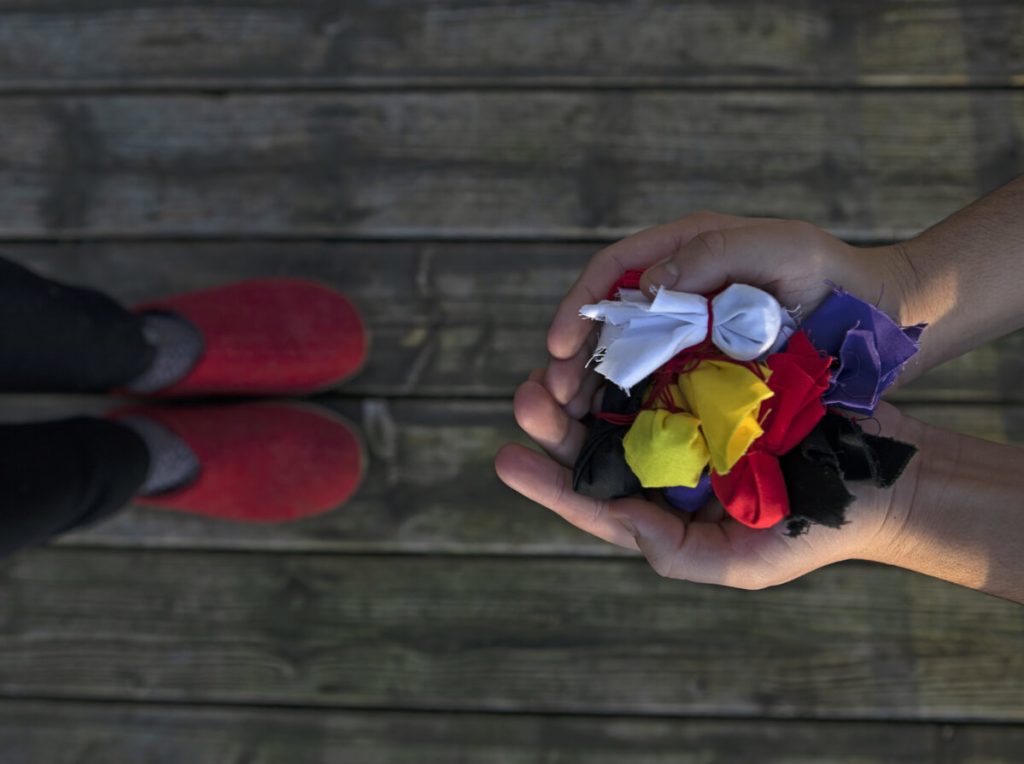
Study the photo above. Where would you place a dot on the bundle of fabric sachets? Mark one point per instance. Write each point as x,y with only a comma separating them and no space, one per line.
728,395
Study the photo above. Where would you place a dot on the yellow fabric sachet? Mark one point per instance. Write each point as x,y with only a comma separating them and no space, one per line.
726,398
720,403
665,449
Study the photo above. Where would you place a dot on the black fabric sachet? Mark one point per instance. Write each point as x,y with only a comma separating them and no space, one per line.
601,471
837,451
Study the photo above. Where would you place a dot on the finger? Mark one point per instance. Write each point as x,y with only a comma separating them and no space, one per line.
597,400
563,377
568,330
541,480
764,254
547,423
583,402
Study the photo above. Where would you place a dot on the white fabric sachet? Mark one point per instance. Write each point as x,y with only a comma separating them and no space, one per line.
640,336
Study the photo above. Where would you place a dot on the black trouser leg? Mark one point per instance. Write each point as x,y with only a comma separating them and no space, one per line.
58,338
57,476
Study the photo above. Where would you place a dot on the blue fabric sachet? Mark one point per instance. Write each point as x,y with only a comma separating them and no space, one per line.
869,347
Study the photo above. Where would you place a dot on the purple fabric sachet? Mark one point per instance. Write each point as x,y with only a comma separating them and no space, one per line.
870,349
690,499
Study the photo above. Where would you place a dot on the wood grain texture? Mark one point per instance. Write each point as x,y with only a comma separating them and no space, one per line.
384,631
565,636
446,319
537,165
430,488
80,733
261,43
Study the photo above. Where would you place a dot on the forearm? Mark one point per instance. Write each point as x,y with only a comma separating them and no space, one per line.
960,517
965,277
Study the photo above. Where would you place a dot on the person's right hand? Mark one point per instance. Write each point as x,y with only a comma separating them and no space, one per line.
792,260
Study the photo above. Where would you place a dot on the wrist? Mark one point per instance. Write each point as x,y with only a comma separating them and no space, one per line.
903,274
888,277
900,540
918,290
955,513
900,508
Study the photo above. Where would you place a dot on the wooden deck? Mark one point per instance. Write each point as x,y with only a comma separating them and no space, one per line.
451,164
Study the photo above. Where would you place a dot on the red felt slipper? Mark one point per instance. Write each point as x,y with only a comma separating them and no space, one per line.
260,462
279,336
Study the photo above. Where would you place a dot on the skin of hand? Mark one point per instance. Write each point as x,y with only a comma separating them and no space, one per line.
700,253
912,524
964,276
956,515
707,546
696,254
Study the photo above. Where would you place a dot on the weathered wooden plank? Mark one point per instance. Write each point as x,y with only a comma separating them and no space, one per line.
566,636
447,318
430,488
250,43
81,733
538,165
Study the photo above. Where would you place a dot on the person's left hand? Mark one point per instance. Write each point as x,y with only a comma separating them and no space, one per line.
708,546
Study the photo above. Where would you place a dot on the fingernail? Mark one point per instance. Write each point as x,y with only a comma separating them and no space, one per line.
664,273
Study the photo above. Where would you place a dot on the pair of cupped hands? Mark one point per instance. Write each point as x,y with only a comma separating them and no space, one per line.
797,263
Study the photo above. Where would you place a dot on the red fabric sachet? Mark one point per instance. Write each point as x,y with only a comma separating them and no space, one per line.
754,491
